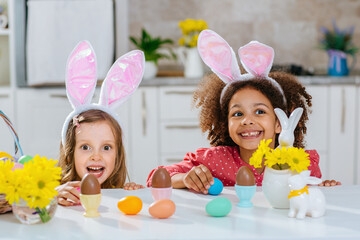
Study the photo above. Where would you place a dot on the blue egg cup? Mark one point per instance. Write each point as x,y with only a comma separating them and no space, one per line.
216,188
245,194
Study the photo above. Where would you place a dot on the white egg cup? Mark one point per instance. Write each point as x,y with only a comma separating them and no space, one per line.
161,193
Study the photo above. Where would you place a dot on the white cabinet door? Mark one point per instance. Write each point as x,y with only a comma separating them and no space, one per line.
7,106
342,133
41,114
317,127
143,134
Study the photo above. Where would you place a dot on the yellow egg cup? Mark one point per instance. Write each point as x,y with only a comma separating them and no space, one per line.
91,203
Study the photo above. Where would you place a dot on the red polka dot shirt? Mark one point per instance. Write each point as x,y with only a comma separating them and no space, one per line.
224,162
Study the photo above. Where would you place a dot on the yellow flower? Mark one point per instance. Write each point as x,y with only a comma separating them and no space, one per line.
13,186
258,156
190,29
44,178
279,157
298,159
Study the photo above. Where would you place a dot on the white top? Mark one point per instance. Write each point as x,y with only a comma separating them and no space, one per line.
190,221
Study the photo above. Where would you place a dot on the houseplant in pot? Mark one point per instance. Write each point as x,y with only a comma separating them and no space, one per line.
338,44
151,47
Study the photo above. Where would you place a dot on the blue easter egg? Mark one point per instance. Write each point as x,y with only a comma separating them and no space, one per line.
219,207
216,188
25,159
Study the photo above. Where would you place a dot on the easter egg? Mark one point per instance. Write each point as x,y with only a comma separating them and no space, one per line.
161,179
163,208
245,177
90,185
219,207
25,159
130,205
216,188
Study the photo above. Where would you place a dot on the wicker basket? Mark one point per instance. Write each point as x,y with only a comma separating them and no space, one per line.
4,205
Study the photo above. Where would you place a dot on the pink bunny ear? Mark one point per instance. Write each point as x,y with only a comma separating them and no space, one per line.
218,55
81,74
257,58
122,79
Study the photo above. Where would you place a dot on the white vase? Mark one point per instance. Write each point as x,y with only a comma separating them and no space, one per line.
150,70
193,66
275,187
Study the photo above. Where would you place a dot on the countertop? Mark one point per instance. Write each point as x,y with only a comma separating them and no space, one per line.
306,80
190,221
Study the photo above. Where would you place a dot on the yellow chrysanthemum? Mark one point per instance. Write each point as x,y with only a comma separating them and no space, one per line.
190,29
13,186
298,159
44,178
279,157
258,156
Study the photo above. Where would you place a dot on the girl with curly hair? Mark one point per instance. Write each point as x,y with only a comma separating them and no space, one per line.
237,112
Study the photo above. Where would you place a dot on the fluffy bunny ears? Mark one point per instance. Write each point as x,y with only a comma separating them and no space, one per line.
121,81
256,58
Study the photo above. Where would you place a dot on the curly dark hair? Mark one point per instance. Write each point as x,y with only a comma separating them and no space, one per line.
214,115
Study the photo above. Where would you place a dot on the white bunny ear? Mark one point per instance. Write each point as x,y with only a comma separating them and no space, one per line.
81,74
284,121
295,117
310,180
122,79
257,58
218,55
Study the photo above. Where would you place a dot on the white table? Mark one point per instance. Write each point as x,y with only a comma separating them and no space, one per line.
190,221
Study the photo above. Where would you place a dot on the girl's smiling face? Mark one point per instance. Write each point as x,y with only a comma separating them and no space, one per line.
95,150
251,118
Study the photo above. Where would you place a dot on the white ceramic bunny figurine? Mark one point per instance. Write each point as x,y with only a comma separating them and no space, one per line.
288,125
121,81
305,201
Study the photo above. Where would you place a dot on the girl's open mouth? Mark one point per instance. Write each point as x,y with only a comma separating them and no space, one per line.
97,171
253,134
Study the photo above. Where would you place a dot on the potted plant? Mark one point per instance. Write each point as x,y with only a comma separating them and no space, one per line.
338,43
151,47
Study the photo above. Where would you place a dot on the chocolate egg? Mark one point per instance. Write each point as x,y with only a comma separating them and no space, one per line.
245,177
161,179
90,185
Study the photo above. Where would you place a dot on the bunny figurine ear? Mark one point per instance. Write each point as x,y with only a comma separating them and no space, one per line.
122,79
81,75
257,58
295,117
218,55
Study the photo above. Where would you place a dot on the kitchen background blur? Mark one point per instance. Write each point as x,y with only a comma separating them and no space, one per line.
160,126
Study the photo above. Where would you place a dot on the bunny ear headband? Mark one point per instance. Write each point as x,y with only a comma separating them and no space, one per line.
257,59
121,81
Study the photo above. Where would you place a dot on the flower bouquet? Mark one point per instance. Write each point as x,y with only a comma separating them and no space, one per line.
30,188
338,43
280,164
191,29
283,158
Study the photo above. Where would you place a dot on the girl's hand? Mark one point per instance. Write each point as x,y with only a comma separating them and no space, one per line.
328,183
68,194
199,178
132,186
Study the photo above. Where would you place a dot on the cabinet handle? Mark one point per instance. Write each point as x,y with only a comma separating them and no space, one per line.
143,112
182,126
57,95
179,92
343,110
4,95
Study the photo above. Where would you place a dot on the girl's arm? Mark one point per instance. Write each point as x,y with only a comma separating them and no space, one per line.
199,178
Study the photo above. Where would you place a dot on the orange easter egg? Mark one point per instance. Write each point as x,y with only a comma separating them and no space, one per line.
163,208
130,205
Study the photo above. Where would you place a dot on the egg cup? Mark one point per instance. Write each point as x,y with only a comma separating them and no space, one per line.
161,193
90,203
245,194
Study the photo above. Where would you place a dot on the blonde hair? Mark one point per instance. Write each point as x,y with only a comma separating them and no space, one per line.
67,162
